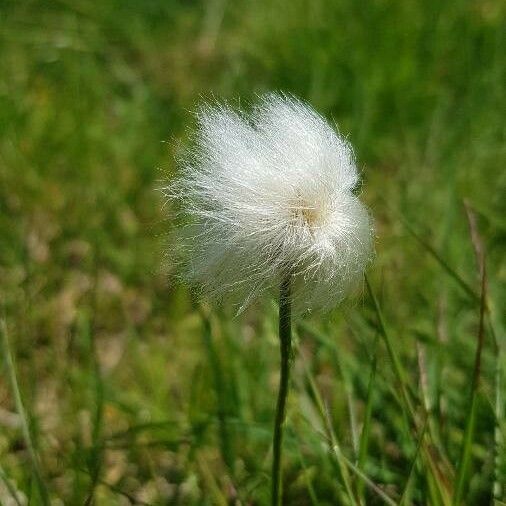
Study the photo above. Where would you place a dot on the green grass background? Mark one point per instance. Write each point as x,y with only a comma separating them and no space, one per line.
134,393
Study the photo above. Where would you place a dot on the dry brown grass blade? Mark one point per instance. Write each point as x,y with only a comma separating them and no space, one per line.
465,458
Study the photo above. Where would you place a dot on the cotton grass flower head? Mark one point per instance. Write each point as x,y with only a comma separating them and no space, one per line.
270,195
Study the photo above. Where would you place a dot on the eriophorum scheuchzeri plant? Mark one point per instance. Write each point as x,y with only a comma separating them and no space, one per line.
270,200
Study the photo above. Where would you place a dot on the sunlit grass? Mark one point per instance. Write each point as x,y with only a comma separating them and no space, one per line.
129,392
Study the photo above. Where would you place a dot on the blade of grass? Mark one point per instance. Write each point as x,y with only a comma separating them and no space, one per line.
94,458
428,403
334,350
142,427
95,454
498,484
215,492
221,393
442,262
406,405
465,456
309,484
479,252
447,267
113,488
330,434
352,415
343,462
25,428
404,496
366,428
398,370
8,485
365,479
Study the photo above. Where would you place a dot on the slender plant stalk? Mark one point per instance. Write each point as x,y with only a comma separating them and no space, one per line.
466,451
25,429
285,346
221,393
9,486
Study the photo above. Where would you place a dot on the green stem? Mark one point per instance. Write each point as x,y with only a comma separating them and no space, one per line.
221,394
25,428
285,346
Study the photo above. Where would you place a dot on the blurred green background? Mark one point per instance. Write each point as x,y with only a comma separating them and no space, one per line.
136,394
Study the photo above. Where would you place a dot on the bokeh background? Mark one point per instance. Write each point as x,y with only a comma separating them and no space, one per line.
135,392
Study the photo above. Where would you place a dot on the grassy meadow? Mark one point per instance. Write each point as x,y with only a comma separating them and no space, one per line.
118,386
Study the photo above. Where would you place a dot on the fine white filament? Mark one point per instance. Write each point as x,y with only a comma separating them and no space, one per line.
268,195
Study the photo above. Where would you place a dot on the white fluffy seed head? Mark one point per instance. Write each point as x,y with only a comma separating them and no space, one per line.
270,195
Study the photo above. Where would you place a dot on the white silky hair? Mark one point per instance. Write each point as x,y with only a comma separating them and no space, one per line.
269,195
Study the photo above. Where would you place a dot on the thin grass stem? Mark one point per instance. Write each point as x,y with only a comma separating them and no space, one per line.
9,487
366,428
221,394
25,428
285,347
